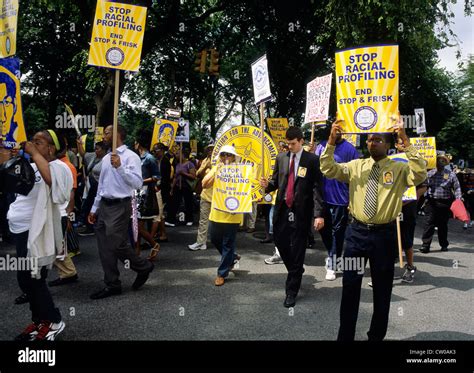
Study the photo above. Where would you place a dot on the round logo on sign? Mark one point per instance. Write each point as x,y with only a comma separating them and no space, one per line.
115,56
268,198
365,118
260,76
232,203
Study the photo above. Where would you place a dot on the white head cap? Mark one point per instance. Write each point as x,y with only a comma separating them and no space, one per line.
228,149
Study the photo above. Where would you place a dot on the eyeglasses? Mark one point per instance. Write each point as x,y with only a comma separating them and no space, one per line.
226,155
375,141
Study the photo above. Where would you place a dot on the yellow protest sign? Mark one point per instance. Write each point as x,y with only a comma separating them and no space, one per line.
8,24
164,132
367,88
232,189
98,134
426,146
12,128
410,193
278,128
351,138
247,143
117,36
268,199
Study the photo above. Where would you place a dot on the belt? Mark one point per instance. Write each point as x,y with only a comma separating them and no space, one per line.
114,201
374,227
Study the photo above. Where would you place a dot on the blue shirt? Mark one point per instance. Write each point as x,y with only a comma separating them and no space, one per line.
119,182
335,192
149,166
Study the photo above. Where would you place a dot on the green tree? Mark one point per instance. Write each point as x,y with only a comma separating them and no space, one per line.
457,135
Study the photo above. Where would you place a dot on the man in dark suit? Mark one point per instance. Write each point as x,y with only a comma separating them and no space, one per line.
299,201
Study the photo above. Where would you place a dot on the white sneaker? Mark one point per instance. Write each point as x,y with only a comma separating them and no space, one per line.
49,331
275,259
196,246
330,275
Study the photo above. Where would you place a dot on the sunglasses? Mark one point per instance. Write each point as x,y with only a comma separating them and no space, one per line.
226,155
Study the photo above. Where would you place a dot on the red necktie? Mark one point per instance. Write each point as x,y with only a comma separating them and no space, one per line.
290,188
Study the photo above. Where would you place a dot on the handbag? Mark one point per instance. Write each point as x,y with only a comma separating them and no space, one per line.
459,211
148,203
17,176
72,239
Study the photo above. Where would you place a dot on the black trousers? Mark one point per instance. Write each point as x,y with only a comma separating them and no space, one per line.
41,302
89,202
291,239
178,195
379,246
437,215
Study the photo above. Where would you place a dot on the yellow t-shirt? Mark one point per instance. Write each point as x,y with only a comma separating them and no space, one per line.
219,216
206,194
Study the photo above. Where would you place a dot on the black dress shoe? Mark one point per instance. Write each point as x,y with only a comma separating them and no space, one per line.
106,292
290,301
266,240
23,298
63,281
424,250
444,249
142,278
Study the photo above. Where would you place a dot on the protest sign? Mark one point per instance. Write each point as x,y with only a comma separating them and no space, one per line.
246,141
318,92
11,114
367,88
232,188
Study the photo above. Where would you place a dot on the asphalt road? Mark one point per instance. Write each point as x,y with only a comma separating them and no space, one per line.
180,301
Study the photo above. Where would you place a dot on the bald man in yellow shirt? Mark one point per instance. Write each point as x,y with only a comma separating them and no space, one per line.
376,186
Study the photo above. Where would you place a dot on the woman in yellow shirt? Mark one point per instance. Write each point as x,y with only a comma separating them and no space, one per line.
223,225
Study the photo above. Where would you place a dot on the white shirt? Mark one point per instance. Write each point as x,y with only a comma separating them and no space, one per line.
119,182
20,213
297,161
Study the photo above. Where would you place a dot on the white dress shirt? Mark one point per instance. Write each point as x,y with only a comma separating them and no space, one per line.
297,161
119,182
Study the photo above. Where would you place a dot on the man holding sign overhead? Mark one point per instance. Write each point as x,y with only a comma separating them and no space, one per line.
376,186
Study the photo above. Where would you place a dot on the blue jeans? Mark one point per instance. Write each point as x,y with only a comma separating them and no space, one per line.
223,238
270,219
335,223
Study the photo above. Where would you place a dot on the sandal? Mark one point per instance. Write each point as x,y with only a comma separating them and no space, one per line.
154,252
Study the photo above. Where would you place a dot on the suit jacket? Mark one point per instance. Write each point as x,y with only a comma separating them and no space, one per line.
308,201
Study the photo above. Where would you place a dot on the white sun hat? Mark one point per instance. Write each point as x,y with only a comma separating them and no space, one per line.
228,149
